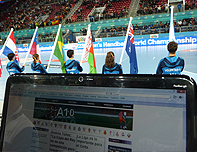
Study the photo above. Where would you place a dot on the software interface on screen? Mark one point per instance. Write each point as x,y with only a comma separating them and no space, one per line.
82,119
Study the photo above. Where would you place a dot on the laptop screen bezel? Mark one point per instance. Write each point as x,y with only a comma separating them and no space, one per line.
180,82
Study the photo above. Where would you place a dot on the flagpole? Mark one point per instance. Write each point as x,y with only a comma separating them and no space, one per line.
86,41
32,40
1,68
6,41
125,42
171,30
54,46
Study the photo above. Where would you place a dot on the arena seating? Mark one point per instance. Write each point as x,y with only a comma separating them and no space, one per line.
55,9
84,12
26,34
162,2
190,4
118,6
108,23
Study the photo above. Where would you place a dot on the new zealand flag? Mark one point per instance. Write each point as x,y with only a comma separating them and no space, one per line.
130,49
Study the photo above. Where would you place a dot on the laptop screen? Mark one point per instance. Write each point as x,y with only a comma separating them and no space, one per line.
88,113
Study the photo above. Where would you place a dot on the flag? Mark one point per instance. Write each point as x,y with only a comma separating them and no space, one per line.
1,69
34,45
89,52
171,30
10,46
130,49
59,51
55,22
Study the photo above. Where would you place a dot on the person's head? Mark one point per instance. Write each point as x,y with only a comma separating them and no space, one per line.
70,53
35,58
11,56
172,47
109,60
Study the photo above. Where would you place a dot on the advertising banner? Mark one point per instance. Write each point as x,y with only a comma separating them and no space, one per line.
164,41
113,44
141,42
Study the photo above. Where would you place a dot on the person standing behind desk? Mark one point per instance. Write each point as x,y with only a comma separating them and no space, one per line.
171,64
12,66
110,67
72,66
36,66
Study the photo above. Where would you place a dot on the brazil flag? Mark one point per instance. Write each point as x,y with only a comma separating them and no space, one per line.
59,51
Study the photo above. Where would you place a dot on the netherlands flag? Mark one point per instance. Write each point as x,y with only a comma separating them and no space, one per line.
10,46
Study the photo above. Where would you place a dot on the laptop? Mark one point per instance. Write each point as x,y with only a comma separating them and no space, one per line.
99,113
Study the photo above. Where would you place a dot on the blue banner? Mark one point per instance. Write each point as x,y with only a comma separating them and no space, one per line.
113,44
164,41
